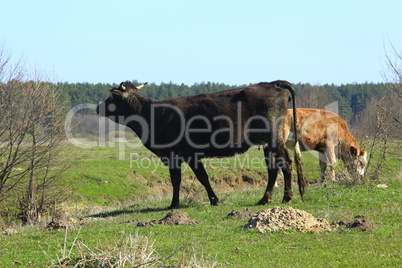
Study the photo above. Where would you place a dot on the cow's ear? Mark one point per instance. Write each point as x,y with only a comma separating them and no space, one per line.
353,150
122,87
117,92
363,153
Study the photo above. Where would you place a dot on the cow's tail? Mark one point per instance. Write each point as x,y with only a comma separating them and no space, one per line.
301,181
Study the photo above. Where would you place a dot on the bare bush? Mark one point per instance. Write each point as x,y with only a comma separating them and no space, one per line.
380,132
393,73
31,131
313,97
380,122
393,78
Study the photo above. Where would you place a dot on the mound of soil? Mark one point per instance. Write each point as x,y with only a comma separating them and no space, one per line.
176,218
172,218
147,223
286,218
9,231
71,223
246,213
55,225
358,225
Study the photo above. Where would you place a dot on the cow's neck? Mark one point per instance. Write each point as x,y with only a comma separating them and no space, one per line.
139,115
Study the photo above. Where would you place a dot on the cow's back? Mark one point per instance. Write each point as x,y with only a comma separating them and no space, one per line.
224,119
318,128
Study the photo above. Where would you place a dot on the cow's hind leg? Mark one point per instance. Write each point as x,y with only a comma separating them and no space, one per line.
175,177
267,197
202,176
274,161
285,163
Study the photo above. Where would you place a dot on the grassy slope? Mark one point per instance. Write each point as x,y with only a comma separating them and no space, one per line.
216,236
102,177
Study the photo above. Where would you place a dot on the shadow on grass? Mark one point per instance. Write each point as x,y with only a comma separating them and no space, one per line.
119,212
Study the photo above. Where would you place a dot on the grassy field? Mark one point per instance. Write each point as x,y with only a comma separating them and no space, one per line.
111,193
104,176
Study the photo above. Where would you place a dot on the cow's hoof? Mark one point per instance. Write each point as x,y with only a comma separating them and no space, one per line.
263,202
266,198
286,199
173,207
214,201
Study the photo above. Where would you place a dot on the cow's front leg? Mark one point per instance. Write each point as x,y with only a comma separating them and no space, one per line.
175,177
330,152
202,176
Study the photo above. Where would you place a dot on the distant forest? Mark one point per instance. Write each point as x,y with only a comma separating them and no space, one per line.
352,98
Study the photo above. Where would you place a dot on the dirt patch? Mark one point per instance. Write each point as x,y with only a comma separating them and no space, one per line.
174,217
55,225
358,225
286,218
147,223
9,231
246,213
70,223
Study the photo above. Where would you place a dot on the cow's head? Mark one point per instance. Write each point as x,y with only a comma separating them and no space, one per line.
124,101
357,161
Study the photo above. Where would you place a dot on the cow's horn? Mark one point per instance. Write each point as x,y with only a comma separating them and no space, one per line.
143,85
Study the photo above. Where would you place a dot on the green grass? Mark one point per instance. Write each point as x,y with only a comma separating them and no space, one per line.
224,240
101,179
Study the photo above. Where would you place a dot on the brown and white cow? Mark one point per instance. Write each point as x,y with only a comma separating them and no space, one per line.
327,133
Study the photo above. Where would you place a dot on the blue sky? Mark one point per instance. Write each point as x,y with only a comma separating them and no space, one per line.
183,41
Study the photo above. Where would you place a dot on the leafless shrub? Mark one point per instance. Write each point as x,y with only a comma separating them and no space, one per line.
393,78
379,129
393,72
313,96
380,123
31,131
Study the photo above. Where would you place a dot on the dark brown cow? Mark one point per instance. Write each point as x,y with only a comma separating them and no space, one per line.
186,129
327,133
